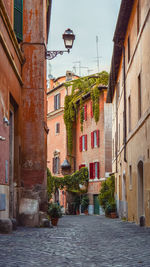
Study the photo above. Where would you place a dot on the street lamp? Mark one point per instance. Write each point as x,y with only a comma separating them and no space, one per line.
69,38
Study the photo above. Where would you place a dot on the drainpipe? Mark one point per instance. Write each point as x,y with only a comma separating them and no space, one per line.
124,113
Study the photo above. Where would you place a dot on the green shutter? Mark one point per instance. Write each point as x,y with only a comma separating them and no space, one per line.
18,19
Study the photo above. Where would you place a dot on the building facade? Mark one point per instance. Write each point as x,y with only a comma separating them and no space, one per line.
24,27
57,138
129,89
93,146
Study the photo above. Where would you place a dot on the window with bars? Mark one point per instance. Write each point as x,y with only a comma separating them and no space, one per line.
57,130
56,165
95,138
57,101
94,170
18,19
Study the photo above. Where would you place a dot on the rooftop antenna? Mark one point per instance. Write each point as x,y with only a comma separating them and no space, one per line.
74,69
79,62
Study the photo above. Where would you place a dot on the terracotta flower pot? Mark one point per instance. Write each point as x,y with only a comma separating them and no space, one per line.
54,221
77,212
113,215
86,212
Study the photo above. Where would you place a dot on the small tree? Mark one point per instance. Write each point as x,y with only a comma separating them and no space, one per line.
106,196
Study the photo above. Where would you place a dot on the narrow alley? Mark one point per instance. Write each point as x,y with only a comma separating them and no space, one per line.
86,241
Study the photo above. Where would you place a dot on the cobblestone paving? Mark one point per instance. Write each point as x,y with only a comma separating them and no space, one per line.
86,241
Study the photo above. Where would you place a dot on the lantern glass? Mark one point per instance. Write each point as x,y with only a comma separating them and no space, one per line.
68,37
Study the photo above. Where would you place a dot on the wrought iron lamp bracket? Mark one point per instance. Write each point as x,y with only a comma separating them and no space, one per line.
52,54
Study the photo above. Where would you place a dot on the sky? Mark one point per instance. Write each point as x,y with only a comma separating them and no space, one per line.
87,19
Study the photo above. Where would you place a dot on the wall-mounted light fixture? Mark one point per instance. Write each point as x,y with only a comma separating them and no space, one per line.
2,138
6,121
69,38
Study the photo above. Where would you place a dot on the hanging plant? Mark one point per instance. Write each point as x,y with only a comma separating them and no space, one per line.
71,182
80,87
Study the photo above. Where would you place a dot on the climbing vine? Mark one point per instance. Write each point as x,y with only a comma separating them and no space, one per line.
69,182
79,88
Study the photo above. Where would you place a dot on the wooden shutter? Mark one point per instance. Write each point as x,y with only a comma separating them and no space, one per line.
98,174
85,112
80,143
94,170
91,170
97,136
81,166
18,19
92,139
86,142
91,110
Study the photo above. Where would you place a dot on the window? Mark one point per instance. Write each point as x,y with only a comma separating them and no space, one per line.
18,19
130,177
94,170
81,166
95,139
138,16
128,48
57,130
129,113
83,143
56,165
85,112
56,101
139,97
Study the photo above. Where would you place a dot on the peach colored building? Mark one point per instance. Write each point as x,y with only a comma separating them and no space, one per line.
57,139
24,27
93,146
129,92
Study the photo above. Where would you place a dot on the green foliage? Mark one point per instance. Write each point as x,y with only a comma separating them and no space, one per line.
81,87
69,182
50,184
54,210
85,202
106,196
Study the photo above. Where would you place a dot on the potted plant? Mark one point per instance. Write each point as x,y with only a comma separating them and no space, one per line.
54,211
110,209
85,203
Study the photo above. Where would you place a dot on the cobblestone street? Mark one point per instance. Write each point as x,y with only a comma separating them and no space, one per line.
86,241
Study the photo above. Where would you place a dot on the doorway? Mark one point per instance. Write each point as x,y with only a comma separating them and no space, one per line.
124,196
96,204
140,189
11,163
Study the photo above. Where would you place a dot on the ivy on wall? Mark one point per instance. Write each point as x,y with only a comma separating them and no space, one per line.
69,182
80,88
